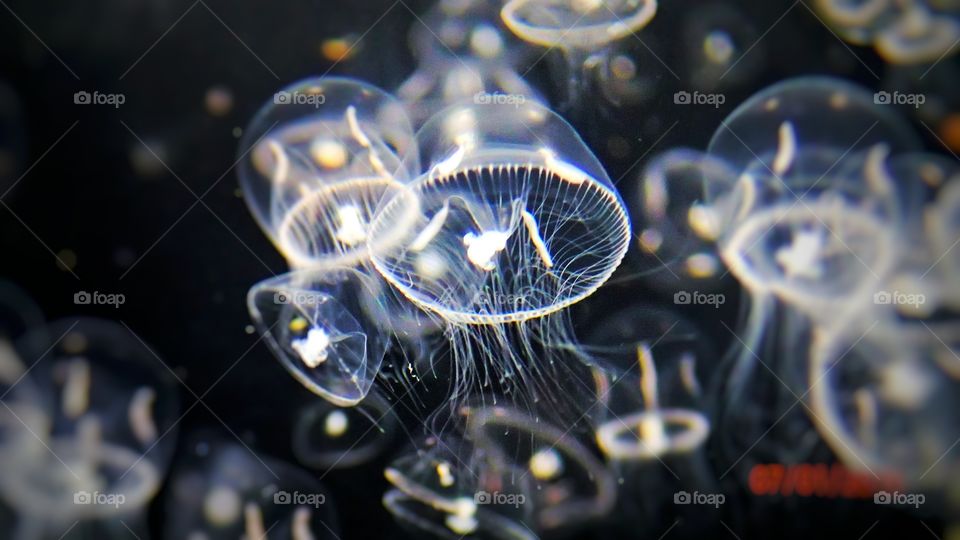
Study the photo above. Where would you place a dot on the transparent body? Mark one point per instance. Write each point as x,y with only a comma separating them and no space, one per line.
222,490
88,432
912,32
316,160
512,219
315,324
328,437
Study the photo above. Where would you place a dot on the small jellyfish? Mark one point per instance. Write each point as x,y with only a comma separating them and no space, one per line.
720,46
328,437
315,324
442,489
315,162
569,485
93,427
582,29
222,490
512,221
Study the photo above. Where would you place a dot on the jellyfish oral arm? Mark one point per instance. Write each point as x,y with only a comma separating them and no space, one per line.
483,247
534,232
314,348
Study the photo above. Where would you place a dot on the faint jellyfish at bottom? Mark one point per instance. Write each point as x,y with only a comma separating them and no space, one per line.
315,324
328,437
566,484
441,489
223,490
96,437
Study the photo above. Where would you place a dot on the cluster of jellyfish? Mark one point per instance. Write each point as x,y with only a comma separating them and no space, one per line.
439,236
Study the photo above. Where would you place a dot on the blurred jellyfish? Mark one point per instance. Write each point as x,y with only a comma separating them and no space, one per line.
677,229
442,489
716,39
567,484
223,490
314,323
512,221
316,160
911,32
90,440
328,437
582,29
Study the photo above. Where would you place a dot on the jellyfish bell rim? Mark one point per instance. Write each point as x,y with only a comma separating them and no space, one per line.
906,138
278,351
252,138
285,237
607,434
411,209
587,38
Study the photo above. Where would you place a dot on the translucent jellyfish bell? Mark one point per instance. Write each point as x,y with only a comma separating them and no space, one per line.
569,484
513,218
223,491
818,112
316,160
328,437
315,324
579,28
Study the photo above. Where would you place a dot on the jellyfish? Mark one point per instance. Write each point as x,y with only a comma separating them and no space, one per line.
463,53
583,29
327,437
912,32
315,162
568,485
512,221
92,427
222,490
314,323
442,489
717,38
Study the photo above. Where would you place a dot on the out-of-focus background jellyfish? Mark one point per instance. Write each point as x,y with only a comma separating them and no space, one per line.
582,30
911,32
89,430
463,53
223,490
